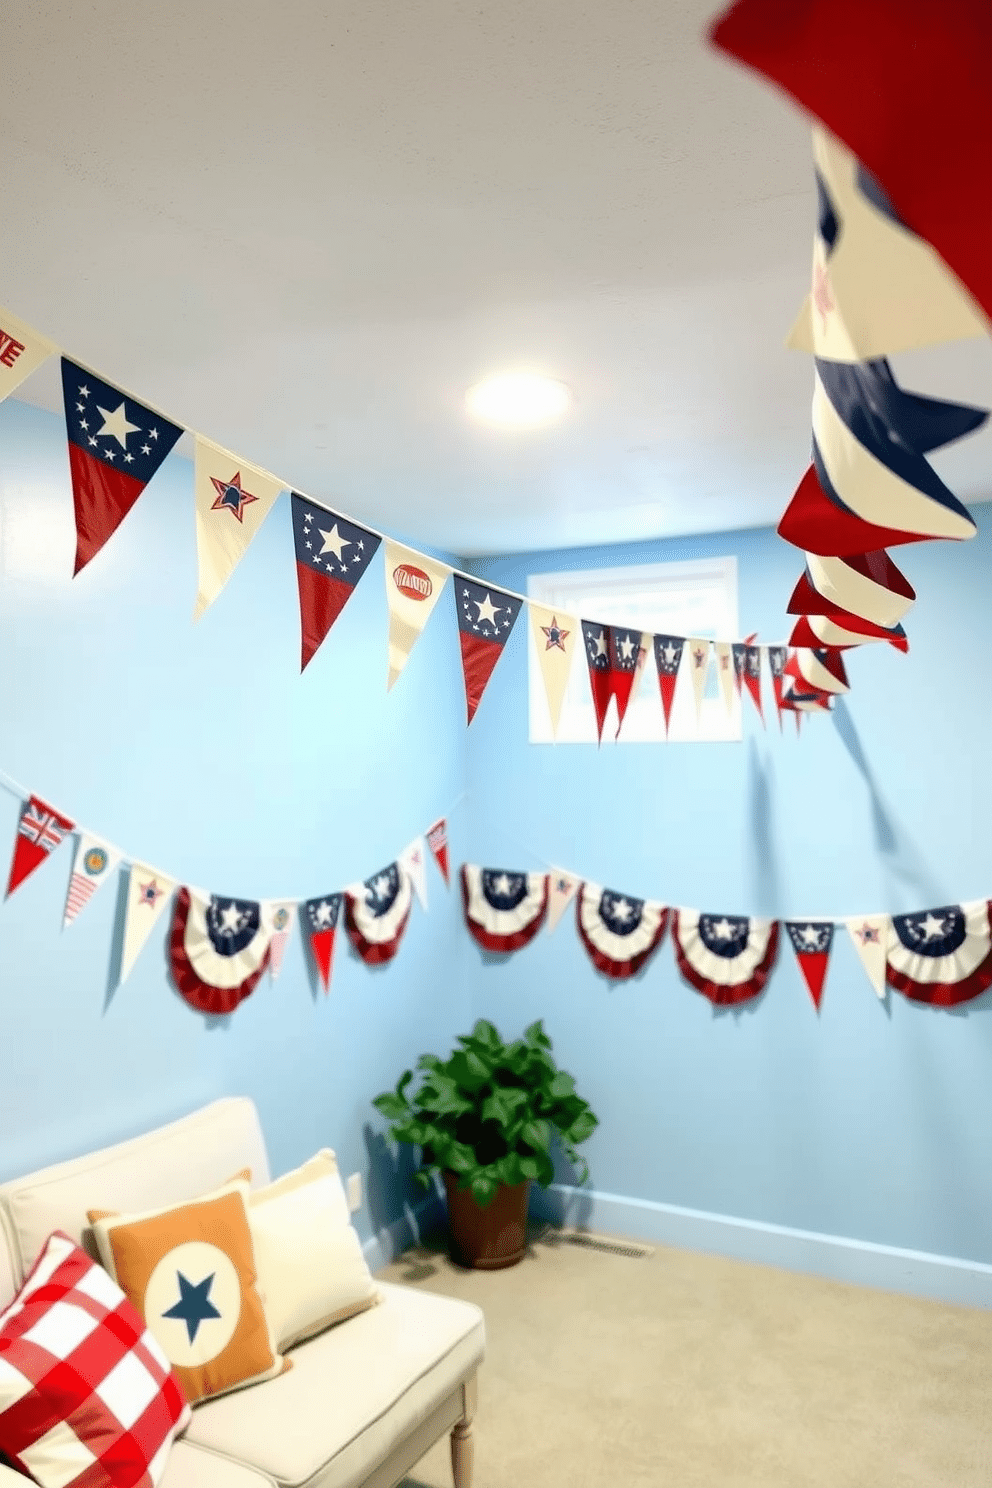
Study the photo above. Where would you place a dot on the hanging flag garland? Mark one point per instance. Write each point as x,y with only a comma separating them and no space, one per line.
332,554
619,931
148,894
219,949
321,919
413,587
554,636
503,911
376,914
22,351
484,627
562,889
726,957
39,832
944,956
280,917
94,862
811,941
232,501
437,841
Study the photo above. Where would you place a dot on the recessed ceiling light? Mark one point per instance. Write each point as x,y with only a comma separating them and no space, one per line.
518,400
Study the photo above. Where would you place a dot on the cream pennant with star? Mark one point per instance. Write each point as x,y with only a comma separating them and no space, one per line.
233,499
148,894
699,665
870,934
553,634
414,860
724,653
562,888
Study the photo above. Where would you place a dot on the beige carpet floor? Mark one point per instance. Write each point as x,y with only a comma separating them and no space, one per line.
690,1371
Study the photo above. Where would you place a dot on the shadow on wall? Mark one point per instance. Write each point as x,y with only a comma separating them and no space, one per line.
391,1192
573,1207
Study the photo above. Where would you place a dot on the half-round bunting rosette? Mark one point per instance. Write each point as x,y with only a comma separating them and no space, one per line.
726,957
376,914
219,949
619,932
503,911
942,956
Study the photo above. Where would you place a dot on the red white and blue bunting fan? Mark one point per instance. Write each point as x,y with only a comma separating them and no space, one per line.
376,913
219,949
320,917
726,957
811,941
619,932
942,956
503,911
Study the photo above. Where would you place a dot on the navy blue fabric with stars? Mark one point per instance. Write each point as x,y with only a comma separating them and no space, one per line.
668,653
487,613
381,890
620,913
228,935
503,890
112,427
724,935
810,937
920,933
329,544
322,913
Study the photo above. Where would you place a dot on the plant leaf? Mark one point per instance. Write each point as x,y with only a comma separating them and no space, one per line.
529,1167
561,1086
430,1062
484,1188
392,1106
582,1127
537,1134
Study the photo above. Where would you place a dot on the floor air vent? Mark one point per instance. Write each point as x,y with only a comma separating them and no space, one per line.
632,1248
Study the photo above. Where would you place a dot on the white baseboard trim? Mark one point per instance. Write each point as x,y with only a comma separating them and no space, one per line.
391,1241
944,1278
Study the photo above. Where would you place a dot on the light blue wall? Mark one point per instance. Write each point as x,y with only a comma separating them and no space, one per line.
870,1121
203,751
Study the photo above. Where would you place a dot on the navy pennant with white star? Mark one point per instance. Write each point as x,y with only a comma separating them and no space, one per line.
486,617
332,554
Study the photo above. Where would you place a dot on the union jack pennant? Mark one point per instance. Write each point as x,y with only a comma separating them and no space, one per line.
39,832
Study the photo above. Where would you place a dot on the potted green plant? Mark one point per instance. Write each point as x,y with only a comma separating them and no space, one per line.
485,1119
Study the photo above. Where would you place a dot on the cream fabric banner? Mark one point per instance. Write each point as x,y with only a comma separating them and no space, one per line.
699,665
554,640
870,934
414,860
724,653
94,862
278,917
22,352
233,499
562,888
148,894
413,587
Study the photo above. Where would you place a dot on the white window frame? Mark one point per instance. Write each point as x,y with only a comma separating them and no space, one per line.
697,598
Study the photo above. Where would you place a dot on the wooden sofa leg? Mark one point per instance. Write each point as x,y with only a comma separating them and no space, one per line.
462,1439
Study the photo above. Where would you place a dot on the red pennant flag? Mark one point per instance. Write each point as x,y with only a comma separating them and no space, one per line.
668,658
811,941
817,525
484,627
806,601
39,832
437,841
115,447
332,554
321,918
612,653
904,83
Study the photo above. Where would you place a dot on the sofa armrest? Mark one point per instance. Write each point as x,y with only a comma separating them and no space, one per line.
11,1479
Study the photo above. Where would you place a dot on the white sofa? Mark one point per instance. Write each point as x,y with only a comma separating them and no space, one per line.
365,1399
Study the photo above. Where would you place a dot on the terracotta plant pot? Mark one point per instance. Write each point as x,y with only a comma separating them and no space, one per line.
487,1239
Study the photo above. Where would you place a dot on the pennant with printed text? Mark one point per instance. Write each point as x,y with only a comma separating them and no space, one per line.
870,934
562,888
413,587
218,948
728,958
668,658
554,634
320,917
486,617
232,499
148,894
437,841
811,941
40,830
942,956
278,916
92,866
620,932
503,911
22,351
116,445
332,554
376,914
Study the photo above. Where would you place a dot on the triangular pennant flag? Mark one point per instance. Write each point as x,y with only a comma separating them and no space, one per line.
554,636
699,664
321,919
865,584
870,934
821,667
811,941
562,888
437,841
93,864
22,352
413,587
484,627
739,650
877,287
752,677
668,658
148,893
233,499
115,447
830,625
332,554
726,671
413,860
597,644
777,658
40,831
278,915
626,651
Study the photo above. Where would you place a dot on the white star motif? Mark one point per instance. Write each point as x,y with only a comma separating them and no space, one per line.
333,542
116,424
622,911
152,433
92,440
80,407
809,935
230,919
931,927
626,648
668,652
380,885
84,392
146,449
600,646
488,611
110,454
501,884
722,929
322,914
128,459
83,424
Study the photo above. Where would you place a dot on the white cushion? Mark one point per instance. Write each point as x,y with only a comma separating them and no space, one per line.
190,1467
354,1392
311,1270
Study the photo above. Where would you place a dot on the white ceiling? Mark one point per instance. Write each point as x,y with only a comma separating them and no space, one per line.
306,229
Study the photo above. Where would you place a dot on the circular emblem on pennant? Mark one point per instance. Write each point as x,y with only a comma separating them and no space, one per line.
281,918
412,582
193,1297
95,861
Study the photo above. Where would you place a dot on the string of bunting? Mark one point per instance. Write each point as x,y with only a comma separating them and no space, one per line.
220,946
117,444
938,956
901,259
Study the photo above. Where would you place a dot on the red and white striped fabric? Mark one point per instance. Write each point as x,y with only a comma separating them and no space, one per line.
87,1397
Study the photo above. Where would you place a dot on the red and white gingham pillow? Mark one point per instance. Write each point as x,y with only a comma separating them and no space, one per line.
87,1397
